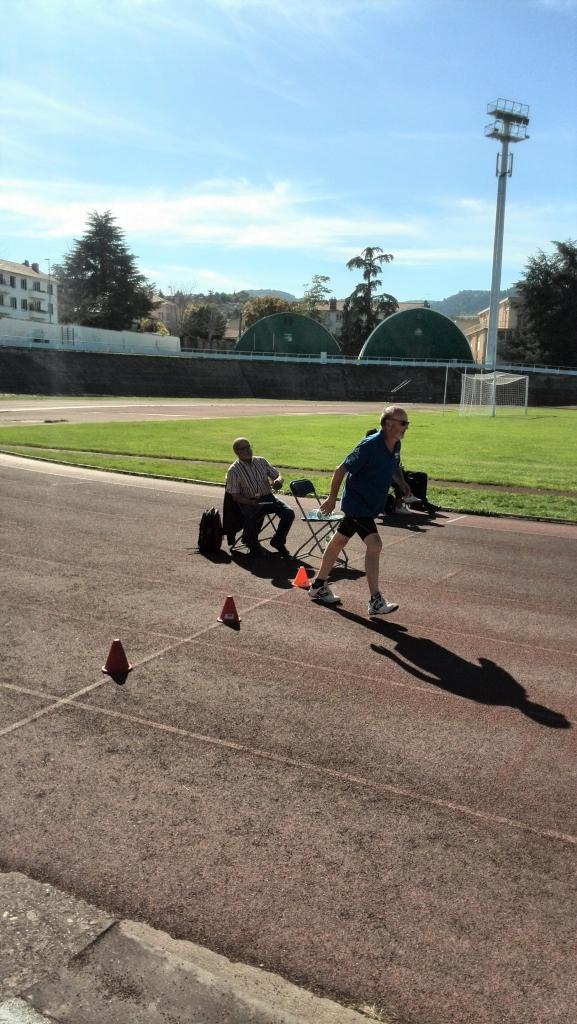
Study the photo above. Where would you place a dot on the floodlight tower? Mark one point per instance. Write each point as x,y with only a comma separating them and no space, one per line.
510,125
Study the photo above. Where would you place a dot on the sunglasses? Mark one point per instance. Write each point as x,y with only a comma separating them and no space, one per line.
404,423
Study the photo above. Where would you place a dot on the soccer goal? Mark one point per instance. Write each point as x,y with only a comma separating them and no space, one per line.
487,392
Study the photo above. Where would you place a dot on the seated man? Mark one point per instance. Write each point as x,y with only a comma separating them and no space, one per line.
248,481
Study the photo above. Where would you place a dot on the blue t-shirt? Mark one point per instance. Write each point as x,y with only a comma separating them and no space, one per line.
370,469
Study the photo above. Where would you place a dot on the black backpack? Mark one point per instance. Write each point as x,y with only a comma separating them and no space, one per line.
210,532
418,483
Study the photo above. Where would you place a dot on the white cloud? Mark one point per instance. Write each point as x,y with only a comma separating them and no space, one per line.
224,221
176,276
303,9
21,102
565,6
319,19
25,106
225,213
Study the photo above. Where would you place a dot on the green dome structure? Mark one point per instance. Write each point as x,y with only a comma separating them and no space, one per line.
288,334
417,334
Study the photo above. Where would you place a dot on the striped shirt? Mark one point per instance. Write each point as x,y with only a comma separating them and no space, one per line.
250,479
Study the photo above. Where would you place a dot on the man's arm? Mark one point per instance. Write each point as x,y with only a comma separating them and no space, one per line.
329,503
399,479
275,477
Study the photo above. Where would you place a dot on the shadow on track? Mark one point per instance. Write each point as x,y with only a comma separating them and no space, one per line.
415,522
282,571
483,681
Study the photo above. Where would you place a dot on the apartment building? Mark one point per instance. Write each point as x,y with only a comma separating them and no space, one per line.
26,293
476,328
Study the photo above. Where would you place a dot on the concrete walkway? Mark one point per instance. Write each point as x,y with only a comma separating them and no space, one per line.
64,960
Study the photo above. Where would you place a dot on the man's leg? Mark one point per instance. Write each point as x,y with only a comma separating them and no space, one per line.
319,589
374,546
330,555
378,605
398,496
274,506
252,518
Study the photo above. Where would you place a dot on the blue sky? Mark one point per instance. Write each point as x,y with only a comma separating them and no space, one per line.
255,143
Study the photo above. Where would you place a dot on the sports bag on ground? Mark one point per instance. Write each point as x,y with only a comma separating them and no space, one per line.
418,484
210,532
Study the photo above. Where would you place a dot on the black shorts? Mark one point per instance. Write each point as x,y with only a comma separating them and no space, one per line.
363,525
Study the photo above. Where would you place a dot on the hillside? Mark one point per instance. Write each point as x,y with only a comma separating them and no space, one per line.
257,293
466,303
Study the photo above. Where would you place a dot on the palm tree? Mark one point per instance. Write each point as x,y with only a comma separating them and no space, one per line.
363,307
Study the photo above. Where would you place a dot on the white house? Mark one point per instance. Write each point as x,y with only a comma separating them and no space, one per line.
27,294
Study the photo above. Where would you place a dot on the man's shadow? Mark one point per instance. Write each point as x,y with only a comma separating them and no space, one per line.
282,571
485,682
416,522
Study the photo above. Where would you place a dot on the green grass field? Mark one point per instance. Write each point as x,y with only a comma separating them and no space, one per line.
510,450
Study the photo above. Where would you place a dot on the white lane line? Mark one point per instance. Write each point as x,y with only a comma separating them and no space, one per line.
333,773
312,768
63,701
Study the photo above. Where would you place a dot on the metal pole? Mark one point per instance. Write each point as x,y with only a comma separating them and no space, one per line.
510,124
503,172
445,394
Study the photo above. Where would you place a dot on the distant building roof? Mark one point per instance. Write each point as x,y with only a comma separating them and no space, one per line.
418,333
508,300
289,334
412,304
338,304
28,269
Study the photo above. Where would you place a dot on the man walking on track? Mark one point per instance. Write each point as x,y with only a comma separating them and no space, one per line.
248,481
368,470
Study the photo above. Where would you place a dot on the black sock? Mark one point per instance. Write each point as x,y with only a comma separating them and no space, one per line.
316,584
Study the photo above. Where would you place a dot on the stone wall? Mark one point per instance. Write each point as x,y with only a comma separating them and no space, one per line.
44,372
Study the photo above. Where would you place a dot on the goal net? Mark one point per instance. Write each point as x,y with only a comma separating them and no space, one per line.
483,392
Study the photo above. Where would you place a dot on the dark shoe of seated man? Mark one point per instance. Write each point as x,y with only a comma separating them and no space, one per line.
257,551
279,546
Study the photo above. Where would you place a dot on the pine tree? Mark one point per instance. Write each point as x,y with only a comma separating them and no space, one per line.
547,306
99,284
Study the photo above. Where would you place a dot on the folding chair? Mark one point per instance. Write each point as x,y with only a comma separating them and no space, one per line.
321,527
233,523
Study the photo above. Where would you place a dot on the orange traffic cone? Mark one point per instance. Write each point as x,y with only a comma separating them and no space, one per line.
229,614
117,665
301,579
